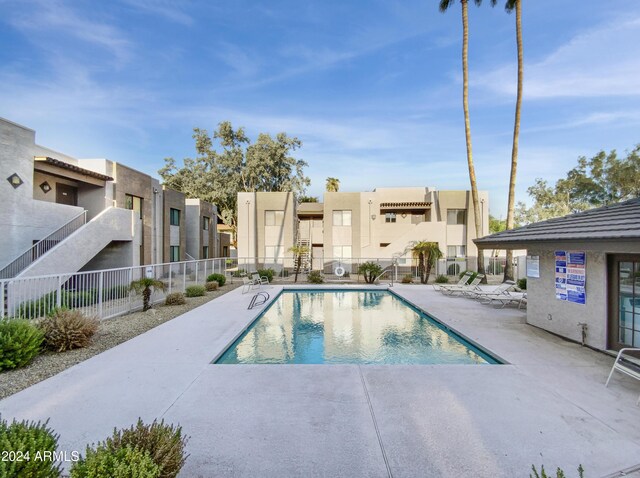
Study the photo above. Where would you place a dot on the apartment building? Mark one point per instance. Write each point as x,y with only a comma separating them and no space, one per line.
202,240
380,224
62,214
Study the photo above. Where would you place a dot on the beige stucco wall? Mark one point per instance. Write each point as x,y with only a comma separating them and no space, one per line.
562,317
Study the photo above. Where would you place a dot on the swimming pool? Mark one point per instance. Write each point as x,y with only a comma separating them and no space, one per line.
355,326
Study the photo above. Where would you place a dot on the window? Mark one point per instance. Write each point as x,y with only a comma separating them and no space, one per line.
342,218
342,252
205,252
456,251
456,216
389,217
273,218
174,253
174,217
206,221
225,251
134,203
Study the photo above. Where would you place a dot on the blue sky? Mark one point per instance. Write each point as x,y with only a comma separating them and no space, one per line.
372,88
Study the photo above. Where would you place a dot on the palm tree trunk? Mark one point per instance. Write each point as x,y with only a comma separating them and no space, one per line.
421,267
508,270
297,268
146,299
467,128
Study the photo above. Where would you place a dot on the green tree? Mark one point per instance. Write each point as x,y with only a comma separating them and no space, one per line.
428,253
595,182
444,6
517,6
496,225
302,199
298,252
145,286
333,185
217,175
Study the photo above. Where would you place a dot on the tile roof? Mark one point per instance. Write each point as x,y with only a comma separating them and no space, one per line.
614,222
73,167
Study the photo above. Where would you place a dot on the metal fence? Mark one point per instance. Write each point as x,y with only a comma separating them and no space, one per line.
106,293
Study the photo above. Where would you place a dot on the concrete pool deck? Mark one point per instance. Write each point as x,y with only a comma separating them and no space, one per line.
548,406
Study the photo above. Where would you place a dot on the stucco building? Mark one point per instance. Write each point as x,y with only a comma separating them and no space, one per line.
583,269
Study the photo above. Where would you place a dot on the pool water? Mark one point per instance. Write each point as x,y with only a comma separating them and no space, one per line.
337,327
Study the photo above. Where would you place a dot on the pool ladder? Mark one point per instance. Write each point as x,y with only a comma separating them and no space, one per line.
259,299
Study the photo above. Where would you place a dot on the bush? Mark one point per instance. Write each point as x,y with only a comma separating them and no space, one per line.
315,277
559,473
175,298
370,271
473,275
30,438
20,342
122,463
219,278
211,286
442,279
268,273
66,329
163,444
522,283
407,279
195,291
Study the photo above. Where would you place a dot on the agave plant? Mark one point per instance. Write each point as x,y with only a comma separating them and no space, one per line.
145,286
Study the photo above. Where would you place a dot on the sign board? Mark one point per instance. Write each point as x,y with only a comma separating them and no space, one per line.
148,272
571,276
533,266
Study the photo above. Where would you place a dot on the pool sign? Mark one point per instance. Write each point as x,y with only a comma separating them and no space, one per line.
571,276
533,266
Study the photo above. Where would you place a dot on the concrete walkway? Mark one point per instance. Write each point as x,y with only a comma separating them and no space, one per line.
548,406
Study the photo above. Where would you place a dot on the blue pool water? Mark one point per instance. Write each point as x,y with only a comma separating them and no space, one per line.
332,327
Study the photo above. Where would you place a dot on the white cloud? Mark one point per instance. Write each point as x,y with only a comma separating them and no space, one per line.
164,8
599,62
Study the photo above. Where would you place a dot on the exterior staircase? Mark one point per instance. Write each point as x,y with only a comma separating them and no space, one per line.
303,259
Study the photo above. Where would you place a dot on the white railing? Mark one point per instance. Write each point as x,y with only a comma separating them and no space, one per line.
28,257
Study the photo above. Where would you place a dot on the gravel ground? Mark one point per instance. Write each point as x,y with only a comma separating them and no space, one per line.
111,333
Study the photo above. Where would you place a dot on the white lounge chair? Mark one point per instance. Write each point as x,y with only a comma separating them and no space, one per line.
497,292
248,284
625,366
473,286
259,280
508,297
464,280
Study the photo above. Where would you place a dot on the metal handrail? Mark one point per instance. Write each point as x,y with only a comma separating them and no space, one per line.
254,300
28,257
384,271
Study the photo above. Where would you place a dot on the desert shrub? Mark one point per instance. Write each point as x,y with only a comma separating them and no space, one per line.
115,292
407,279
20,342
315,277
268,273
219,278
559,473
522,283
163,444
66,329
121,463
442,279
239,273
28,439
175,298
195,291
211,285
370,270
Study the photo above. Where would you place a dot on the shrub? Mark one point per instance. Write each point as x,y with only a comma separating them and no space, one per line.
175,298
195,291
30,438
219,278
407,279
559,473
315,277
268,273
211,285
163,444
473,275
122,463
66,329
370,271
522,283
20,342
442,279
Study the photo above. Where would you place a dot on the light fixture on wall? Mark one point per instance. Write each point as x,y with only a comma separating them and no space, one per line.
15,180
46,187
404,214
373,217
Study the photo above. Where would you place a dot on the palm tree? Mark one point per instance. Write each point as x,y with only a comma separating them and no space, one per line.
428,253
144,286
510,6
298,252
444,6
333,185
